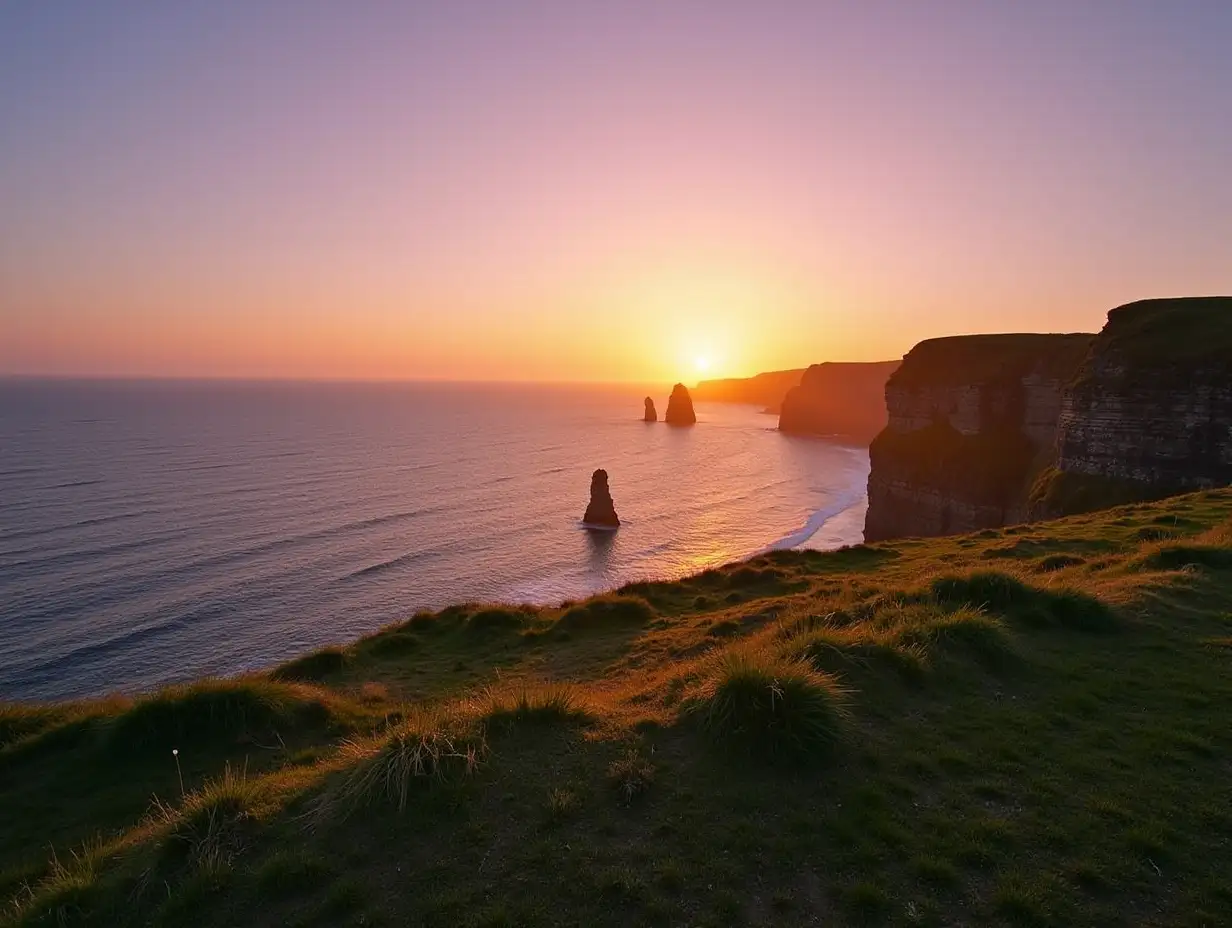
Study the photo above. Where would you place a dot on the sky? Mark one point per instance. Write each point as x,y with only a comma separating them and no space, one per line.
577,190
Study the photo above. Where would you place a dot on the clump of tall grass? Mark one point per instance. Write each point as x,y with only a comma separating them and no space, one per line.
613,610
833,643
1054,562
65,892
20,720
497,618
426,747
1008,595
630,775
928,626
1180,556
314,666
210,827
510,706
771,706
217,709
1211,550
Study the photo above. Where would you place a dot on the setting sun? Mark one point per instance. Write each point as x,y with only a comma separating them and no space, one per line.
702,364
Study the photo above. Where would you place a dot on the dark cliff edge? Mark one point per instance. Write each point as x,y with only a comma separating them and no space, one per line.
1150,412
766,390
971,423
843,399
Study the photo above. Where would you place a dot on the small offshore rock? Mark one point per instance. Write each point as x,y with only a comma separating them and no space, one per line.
602,511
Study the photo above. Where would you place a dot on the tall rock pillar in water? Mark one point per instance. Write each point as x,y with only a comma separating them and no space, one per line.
601,513
651,414
680,407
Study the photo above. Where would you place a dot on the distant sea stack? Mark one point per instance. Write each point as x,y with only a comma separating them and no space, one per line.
680,407
1149,414
845,400
601,513
651,414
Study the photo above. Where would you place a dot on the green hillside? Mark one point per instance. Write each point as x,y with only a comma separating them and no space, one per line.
1027,726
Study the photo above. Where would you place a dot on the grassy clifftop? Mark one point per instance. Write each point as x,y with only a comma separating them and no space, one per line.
975,359
1171,331
1028,726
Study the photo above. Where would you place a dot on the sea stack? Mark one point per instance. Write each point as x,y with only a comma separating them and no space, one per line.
651,414
680,407
601,513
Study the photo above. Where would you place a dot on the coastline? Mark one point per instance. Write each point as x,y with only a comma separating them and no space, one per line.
502,739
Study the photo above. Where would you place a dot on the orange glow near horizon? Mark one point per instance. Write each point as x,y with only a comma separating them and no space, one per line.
593,192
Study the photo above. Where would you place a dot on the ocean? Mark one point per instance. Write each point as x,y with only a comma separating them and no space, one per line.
152,532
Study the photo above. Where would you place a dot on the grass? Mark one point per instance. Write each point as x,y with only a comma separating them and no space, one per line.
427,748
771,707
314,667
1168,332
1019,727
532,704
213,710
612,610
208,828
978,358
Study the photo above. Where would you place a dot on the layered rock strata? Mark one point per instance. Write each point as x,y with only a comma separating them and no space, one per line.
1150,412
971,421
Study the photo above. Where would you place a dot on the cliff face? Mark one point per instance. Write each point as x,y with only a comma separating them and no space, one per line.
1150,412
841,399
971,420
765,390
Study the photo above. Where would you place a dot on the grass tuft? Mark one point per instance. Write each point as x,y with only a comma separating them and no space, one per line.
772,707
1182,556
532,704
66,893
964,629
314,667
496,618
213,824
425,748
631,775
22,720
747,576
1005,594
213,710
611,611
1055,562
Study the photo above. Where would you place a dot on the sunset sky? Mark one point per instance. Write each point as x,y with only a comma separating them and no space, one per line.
594,190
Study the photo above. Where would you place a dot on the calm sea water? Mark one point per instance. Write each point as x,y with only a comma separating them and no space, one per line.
152,532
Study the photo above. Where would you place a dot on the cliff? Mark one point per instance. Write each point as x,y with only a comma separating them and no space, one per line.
812,714
766,390
843,399
1150,412
971,422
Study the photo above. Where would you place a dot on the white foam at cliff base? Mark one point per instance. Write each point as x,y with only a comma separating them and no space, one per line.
816,522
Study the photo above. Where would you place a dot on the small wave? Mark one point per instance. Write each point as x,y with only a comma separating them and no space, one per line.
383,566
73,483
19,471
815,523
